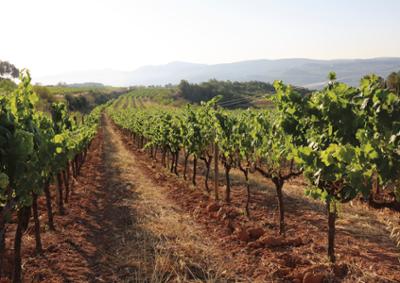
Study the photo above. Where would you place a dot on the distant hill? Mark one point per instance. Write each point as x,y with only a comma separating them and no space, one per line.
301,72
86,85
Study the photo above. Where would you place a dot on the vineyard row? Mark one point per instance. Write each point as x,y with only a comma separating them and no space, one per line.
344,140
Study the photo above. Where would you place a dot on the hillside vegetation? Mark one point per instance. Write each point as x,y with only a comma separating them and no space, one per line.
230,94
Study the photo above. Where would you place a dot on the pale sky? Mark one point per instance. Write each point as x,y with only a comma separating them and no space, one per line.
55,36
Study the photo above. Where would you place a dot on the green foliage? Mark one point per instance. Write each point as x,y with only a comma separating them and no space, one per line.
7,86
351,134
331,159
226,89
340,136
80,89
46,98
379,111
332,76
79,98
160,95
32,146
4,181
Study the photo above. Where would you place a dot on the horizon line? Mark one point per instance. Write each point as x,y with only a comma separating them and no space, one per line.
213,64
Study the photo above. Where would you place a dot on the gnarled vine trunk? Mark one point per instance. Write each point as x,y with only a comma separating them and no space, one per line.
23,220
185,165
246,176
194,170
163,158
216,169
207,162
37,223
66,184
332,213
60,201
4,212
245,172
69,176
73,165
2,244
176,163
278,186
48,204
228,183
172,162
155,153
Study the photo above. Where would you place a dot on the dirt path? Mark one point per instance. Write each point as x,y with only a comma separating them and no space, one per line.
152,240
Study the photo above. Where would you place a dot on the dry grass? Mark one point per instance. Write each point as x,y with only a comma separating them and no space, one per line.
162,244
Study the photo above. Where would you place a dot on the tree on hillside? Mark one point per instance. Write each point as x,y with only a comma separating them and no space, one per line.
76,103
393,82
8,70
226,89
184,88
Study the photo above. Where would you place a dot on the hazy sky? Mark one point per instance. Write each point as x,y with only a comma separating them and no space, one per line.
53,36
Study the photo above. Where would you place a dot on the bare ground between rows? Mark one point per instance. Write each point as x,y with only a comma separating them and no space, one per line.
364,249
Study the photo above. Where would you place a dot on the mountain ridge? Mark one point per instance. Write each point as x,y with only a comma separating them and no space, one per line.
297,71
